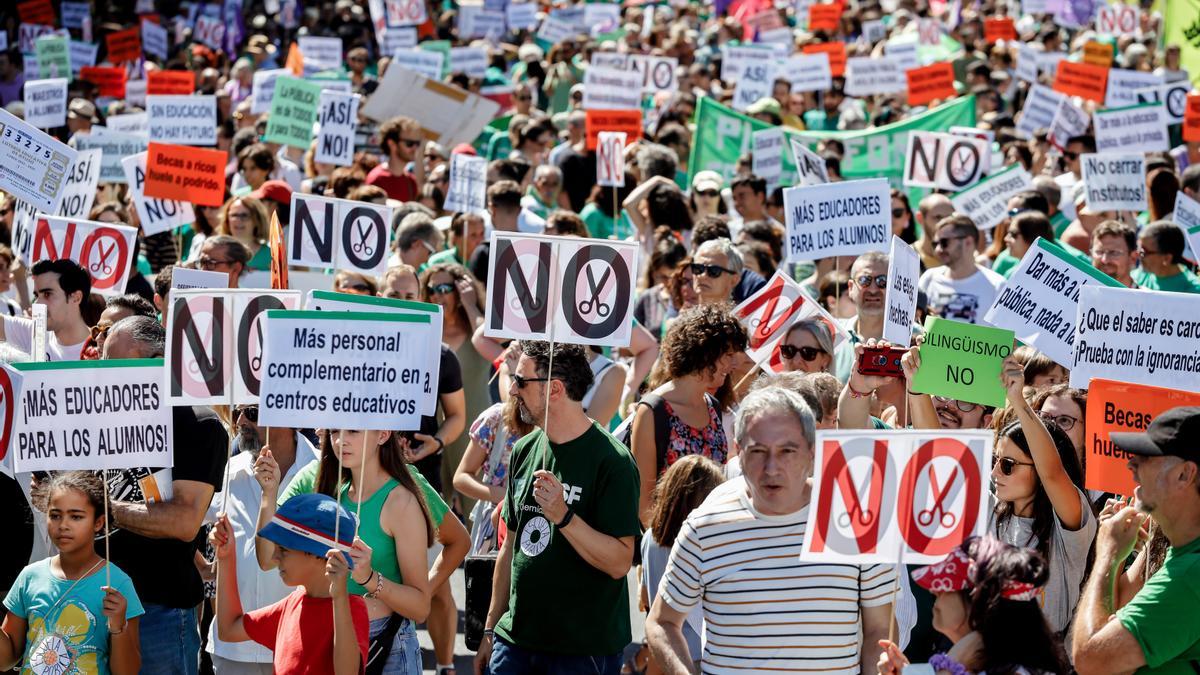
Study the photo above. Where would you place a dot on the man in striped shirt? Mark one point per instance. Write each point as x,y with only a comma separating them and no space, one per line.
738,556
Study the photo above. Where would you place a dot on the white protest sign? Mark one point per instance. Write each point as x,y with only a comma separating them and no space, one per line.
845,218
1187,215
1138,336
33,166
46,103
262,89
1048,61
320,53
392,39
1135,128
1118,19
1173,96
810,167
156,215
1114,182
781,36
735,60
73,13
448,115
105,250
183,120
92,415
154,40
892,496
611,89
1038,302
1038,112
987,201
754,81
329,233
521,15
82,54
209,30
578,291
249,308
868,76
554,30
344,370
470,60
873,31
610,159
808,72
80,191
769,314
475,21
468,184
1123,84
904,269
116,147
183,278
601,17
903,54
423,61
1027,62
129,123
1069,121
24,223
337,115
944,161
658,72
767,155
135,92
404,12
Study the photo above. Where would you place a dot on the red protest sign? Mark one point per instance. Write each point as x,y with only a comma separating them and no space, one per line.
181,82
1098,53
837,55
825,17
1085,80
185,173
1121,407
999,28
1191,118
768,315
627,121
930,83
105,250
40,12
109,80
124,45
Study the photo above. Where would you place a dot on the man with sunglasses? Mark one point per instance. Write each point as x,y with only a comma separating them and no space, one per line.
1076,146
401,140
960,289
716,269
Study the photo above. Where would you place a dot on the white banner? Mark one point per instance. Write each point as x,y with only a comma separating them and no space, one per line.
320,53
154,40
904,269
521,15
986,202
156,215
610,159
1027,62
767,155
611,89
869,76
658,72
1173,96
329,233
33,166
1136,128
46,103
770,313
80,191
183,120
116,147
845,218
1114,182
183,278
1069,121
338,116
105,250
468,184
129,123
470,60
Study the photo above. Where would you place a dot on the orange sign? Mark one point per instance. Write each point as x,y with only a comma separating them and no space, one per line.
999,28
1121,406
825,17
278,244
1191,118
930,83
40,12
185,174
628,121
181,82
1097,53
124,45
836,52
1085,80
109,80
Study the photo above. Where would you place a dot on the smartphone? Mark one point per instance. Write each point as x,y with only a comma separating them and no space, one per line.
881,362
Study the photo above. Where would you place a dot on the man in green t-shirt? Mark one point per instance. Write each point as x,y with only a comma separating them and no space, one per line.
559,598
1155,631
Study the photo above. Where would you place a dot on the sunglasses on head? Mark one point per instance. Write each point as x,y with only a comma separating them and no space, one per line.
807,353
522,381
1008,464
713,271
440,289
865,281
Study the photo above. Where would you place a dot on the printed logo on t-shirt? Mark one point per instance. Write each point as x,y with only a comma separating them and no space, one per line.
63,646
957,306
571,493
535,537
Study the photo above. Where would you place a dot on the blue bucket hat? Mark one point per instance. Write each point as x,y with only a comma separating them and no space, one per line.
306,523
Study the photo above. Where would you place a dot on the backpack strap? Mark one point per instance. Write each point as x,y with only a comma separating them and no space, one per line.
662,427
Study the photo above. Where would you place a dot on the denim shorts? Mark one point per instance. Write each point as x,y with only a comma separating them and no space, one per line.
169,639
405,657
509,659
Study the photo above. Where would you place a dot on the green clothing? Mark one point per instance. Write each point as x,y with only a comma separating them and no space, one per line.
1184,282
817,120
558,602
450,255
261,259
1005,264
533,202
600,225
1161,617
1060,222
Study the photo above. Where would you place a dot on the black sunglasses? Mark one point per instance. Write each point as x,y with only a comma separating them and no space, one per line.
713,271
409,142
945,241
1071,155
522,381
1008,464
807,353
440,289
250,411
896,213
865,281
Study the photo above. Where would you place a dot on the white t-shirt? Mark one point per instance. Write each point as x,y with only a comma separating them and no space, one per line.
18,332
960,299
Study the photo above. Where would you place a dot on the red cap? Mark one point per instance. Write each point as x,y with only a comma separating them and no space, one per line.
947,576
464,149
275,190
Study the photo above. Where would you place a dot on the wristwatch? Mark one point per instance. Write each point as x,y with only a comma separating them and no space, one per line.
566,519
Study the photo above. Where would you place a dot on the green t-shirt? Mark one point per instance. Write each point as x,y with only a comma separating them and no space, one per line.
558,602
450,255
1060,222
305,481
1162,616
600,226
1005,264
1184,282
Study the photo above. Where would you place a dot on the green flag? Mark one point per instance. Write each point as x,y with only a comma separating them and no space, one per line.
1181,25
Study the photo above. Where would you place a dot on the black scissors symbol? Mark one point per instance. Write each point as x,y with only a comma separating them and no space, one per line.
602,308
362,246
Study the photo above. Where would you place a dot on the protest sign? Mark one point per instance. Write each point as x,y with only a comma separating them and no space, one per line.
320,53
477,21
825,17
105,250
404,12
396,38
10,390
183,120
1135,128
963,361
1118,19
900,301
767,155
74,13
658,72
807,72
845,218
29,33
1121,407
155,215
53,57
1069,121
610,159
868,76
249,308
1040,108
46,103
114,147
135,92
810,167
110,82
578,291
1084,80
171,82
92,415
930,83
521,15
124,45
338,117
33,165
448,115
753,84
736,59
82,54
423,61
468,184
1139,336
944,161
769,314
835,51
209,30
554,30
611,89
1027,63
80,190
329,233
1114,182
1097,53
873,31
1038,302
1123,86
262,89
185,174
183,278
154,40
903,53
293,111
1191,119
36,11
628,122
999,28
470,60
1187,216
896,496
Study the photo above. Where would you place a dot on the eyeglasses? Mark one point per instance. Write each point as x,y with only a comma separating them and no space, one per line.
1064,422
440,289
713,271
708,193
522,381
207,263
809,354
1103,255
896,213
410,143
1008,464
250,411
880,281
963,406
945,241
1143,252
1071,156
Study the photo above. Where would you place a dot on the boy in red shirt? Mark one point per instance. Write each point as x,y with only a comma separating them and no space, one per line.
317,629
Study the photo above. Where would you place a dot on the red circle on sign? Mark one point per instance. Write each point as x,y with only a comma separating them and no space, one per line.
6,429
965,522
108,267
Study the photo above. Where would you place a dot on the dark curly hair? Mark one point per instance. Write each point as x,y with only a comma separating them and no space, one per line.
570,365
85,482
700,336
667,206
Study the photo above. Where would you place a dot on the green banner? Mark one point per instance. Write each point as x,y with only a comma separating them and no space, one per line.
963,361
1179,28
723,134
293,111
53,57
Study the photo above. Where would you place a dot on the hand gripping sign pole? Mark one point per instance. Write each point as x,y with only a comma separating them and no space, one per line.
549,368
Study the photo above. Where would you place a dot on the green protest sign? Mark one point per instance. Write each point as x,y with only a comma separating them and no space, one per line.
442,47
962,361
53,56
293,111
723,134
